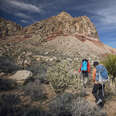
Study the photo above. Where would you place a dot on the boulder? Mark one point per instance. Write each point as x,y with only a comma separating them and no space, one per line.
21,76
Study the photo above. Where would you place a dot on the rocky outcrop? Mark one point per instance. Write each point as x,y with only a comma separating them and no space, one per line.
62,24
8,28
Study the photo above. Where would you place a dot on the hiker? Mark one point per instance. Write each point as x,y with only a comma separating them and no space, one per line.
100,76
84,70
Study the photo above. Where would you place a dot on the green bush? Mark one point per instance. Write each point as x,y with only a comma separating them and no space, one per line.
110,63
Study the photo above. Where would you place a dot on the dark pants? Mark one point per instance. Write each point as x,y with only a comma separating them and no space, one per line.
85,73
84,78
98,91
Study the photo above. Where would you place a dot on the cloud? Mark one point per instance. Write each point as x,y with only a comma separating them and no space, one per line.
15,5
24,12
24,21
103,14
22,15
25,6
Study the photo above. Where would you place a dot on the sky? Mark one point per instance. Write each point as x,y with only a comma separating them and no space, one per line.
101,12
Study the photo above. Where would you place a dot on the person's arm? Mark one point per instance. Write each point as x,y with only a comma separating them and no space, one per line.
80,68
88,66
94,74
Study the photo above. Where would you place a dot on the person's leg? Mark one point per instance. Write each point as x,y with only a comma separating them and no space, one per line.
81,78
101,96
95,91
85,78
101,92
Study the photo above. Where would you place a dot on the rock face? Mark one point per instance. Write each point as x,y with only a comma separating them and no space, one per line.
21,76
63,23
8,28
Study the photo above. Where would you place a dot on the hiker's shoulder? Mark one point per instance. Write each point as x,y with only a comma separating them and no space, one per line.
99,66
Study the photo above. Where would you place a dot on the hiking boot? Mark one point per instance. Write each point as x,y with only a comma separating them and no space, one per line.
99,101
96,101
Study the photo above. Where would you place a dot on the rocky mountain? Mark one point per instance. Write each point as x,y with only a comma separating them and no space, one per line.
8,28
63,24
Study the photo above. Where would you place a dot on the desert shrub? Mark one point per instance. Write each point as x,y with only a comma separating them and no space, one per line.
39,70
7,84
35,90
59,106
7,65
110,63
35,111
68,105
59,76
81,107
8,105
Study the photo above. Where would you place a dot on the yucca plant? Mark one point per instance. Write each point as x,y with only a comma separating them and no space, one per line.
110,63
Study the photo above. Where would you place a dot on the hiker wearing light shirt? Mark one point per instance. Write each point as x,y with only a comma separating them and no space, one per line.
100,76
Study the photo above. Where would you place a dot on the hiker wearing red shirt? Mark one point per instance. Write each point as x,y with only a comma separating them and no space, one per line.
84,70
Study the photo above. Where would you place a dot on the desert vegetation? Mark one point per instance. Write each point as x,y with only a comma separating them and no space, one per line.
61,77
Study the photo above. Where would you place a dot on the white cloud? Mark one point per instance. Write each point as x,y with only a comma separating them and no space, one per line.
12,6
106,14
22,15
103,14
24,21
25,6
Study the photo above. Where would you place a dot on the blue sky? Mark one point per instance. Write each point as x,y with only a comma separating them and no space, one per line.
101,12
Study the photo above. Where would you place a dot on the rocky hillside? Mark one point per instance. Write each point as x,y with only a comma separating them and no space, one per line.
8,28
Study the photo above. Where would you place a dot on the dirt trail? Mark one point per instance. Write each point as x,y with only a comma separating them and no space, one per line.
109,106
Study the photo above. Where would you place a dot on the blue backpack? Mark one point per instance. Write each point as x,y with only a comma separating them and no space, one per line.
101,74
84,65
